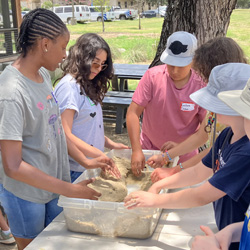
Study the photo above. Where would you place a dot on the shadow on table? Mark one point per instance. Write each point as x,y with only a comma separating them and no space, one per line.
92,242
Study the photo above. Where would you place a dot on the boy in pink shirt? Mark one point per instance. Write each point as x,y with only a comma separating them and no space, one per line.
163,97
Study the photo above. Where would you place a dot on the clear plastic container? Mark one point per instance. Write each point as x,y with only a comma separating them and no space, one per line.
110,219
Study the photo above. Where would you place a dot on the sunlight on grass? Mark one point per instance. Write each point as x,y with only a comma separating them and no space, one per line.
152,25
239,29
129,44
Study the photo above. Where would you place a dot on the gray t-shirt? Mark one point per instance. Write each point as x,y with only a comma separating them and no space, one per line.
29,113
88,119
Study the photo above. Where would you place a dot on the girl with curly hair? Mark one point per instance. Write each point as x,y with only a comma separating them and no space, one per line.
88,70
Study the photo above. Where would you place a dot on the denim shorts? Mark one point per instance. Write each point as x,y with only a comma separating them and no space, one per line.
27,219
74,175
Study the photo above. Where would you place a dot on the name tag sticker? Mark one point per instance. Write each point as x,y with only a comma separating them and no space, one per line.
187,106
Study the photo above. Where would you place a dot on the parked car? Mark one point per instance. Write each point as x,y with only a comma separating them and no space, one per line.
124,14
65,13
24,12
161,10
96,13
148,14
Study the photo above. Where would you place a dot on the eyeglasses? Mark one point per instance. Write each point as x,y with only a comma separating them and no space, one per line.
97,65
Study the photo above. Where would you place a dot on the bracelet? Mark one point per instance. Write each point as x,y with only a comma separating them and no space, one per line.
169,158
182,168
164,158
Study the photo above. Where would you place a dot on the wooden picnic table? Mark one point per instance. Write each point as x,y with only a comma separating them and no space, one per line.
123,72
120,97
120,100
123,94
174,231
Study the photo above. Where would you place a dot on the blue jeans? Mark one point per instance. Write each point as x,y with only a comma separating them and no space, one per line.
27,219
74,175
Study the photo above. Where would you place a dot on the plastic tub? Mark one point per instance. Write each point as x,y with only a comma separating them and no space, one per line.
110,219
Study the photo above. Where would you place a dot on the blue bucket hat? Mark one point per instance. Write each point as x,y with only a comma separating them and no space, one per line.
229,76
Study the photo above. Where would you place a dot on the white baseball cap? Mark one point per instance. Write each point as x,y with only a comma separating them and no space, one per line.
180,49
225,77
238,100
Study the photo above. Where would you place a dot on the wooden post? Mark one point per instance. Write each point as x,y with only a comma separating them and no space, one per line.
18,12
73,19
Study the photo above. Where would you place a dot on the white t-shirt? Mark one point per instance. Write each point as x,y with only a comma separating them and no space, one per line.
88,119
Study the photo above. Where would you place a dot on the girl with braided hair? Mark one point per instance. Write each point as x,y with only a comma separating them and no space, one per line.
34,166
87,72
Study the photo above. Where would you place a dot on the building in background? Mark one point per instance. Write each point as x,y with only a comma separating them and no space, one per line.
32,4
124,4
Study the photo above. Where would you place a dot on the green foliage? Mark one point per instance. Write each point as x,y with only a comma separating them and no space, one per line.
157,3
47,4
100,2
25,9
136,55
243,3
133,49
149,26
239,29
116,52
131,45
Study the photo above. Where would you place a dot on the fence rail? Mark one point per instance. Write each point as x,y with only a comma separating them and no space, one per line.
8,37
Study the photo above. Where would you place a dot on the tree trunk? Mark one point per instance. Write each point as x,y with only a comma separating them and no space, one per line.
139,8
204,18
103,27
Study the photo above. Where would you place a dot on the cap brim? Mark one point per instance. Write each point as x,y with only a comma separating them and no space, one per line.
175,61
234,101
211,102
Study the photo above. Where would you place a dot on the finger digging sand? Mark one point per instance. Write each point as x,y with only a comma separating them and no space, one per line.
113,219
115,190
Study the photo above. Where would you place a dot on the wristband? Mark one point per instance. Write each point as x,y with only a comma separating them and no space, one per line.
169,158
164,158
182,168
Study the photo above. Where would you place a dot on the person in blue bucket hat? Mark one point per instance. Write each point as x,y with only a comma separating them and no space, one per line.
239,101
225,177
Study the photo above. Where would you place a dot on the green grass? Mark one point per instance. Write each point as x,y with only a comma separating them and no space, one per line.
152,25
129,44
133,45
239,29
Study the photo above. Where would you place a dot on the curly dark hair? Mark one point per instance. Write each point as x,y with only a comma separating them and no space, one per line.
217,51
78,64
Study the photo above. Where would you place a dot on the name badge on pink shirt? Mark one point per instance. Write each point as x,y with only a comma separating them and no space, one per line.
187,106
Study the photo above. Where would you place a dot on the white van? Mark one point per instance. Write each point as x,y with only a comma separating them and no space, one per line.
161,11
65,13
96,13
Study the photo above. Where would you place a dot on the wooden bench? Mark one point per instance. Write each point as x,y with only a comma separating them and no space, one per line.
120,101
123,72
122,94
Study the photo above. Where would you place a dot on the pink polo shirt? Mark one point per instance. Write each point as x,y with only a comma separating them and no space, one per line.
169,114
